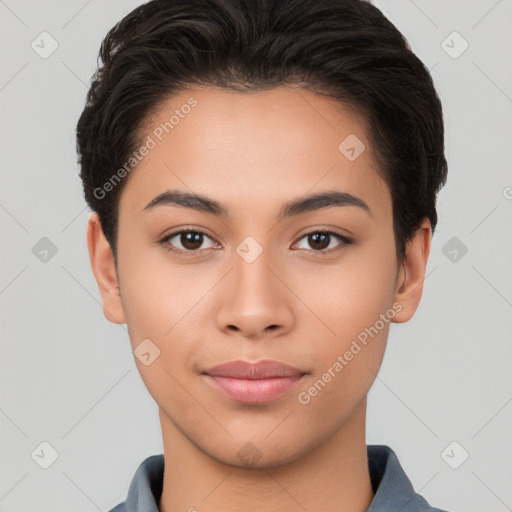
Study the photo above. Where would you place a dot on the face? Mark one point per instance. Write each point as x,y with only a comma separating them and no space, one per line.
287,255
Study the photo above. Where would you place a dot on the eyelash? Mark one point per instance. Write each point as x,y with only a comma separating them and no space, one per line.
346,241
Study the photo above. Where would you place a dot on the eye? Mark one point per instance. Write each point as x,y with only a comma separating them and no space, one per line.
187,240
319,241
191,241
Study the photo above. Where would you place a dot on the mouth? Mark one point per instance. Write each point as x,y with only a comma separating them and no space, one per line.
253,383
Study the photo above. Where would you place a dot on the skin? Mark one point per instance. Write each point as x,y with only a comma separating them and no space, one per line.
253,153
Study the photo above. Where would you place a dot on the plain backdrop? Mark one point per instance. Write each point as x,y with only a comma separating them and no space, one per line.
68,379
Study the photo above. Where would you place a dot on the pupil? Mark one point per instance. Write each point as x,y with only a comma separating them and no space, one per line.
319,240
191,240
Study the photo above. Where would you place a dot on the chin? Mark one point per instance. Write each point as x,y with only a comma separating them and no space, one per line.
256,455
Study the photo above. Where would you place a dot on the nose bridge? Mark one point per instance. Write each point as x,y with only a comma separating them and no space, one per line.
254,281
256,299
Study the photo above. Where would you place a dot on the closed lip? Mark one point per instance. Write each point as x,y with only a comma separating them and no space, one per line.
264,369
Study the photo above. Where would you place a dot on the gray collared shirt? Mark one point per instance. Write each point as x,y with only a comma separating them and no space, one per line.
393,490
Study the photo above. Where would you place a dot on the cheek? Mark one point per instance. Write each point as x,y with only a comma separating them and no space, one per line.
349,297
157,296
347,361
354,305
159,306
162,303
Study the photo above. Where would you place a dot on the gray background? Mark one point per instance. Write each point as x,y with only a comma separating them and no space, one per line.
67,375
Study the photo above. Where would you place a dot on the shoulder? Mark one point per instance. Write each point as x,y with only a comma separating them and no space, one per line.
119,508
392,488
145,488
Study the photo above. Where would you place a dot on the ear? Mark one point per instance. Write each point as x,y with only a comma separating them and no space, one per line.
409,284
104,270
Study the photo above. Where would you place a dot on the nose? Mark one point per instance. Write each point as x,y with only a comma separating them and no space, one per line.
255,300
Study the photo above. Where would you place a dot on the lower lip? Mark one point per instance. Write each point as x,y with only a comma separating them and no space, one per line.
257,391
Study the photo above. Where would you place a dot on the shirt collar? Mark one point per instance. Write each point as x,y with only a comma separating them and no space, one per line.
393,490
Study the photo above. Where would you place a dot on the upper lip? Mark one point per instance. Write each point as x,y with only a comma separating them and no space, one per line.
257,370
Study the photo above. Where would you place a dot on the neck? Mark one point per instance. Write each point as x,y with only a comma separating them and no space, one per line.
333,476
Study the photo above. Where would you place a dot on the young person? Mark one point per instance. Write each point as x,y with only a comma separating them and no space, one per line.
263,178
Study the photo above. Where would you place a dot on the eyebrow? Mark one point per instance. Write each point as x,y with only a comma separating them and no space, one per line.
326,199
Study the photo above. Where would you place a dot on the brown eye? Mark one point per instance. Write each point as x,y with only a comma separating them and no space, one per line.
191,240
319,241
187,241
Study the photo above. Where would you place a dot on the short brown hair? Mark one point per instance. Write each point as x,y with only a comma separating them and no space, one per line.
346,49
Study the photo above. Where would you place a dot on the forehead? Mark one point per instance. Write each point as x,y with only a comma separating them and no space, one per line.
254,148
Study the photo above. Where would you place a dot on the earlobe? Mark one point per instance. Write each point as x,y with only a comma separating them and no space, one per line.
409,284
104,270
